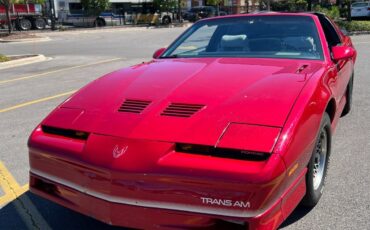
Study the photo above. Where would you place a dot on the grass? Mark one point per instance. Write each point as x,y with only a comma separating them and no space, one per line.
4,58
354,25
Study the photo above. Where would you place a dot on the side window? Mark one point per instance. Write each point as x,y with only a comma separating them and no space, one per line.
75,8
330,33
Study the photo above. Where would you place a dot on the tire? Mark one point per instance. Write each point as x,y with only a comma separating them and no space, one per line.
318,165
25,24
349,92
166,20
99,22
39,23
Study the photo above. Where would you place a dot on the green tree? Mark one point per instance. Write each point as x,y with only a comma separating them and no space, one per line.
290,5
95,7
165,5
216,3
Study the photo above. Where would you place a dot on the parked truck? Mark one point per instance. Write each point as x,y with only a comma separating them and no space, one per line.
24,16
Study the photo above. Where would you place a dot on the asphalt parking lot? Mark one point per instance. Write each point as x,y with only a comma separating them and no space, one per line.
28,93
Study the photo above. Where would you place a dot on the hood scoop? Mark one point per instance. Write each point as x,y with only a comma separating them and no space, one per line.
133,106
181,110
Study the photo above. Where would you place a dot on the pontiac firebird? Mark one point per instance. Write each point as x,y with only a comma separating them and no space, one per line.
232,122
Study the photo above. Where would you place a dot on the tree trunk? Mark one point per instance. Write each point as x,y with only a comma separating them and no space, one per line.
349,11
179,11
309,5
7,9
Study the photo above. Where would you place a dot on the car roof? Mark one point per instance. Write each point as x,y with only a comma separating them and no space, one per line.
354,3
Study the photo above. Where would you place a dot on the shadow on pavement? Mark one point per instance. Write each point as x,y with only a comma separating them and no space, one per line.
298,213
32,212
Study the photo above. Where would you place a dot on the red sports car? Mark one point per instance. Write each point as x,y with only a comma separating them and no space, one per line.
231,123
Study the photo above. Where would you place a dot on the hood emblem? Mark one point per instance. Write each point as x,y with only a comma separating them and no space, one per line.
119,150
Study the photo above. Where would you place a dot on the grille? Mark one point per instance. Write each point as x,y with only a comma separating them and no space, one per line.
181,110
133,106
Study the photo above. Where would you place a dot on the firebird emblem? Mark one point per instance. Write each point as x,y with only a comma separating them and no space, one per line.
119,151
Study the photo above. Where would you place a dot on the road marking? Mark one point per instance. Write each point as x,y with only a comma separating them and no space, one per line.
58,70
36,101
10,186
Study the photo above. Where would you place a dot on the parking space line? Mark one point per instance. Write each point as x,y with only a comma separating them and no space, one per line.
10,186
36,101
58,70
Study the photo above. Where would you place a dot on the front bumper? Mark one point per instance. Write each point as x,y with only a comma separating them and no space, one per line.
156,191
115,212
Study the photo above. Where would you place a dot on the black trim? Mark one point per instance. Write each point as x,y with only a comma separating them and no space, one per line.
221,152
80,135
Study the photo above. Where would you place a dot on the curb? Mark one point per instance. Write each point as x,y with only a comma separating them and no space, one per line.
188,24
22,61
354,33
42,39
113,28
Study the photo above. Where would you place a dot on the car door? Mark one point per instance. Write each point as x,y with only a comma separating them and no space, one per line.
343,68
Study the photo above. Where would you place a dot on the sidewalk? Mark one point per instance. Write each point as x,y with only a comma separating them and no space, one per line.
20,60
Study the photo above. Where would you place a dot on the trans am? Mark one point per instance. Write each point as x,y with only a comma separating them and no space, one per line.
232,123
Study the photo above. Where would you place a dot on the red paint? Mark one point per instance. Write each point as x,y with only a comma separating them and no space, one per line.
276,109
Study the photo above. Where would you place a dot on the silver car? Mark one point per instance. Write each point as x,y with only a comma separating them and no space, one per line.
360,9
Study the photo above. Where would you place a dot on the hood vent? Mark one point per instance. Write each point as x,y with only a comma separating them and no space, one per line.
133,106
181,110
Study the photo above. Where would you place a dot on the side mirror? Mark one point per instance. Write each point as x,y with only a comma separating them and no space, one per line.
342,52
158,53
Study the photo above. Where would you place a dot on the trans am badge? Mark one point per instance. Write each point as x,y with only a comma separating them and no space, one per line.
119,151
227,203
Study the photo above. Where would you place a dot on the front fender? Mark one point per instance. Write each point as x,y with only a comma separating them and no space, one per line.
298,135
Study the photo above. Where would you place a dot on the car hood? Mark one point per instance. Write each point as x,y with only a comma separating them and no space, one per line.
248,91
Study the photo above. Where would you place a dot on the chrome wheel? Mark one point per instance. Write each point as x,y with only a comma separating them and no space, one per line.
40,24
320,159
318,164
25,24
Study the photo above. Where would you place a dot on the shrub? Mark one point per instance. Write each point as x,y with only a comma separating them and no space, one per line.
354,25
332,12
4,58
289,5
